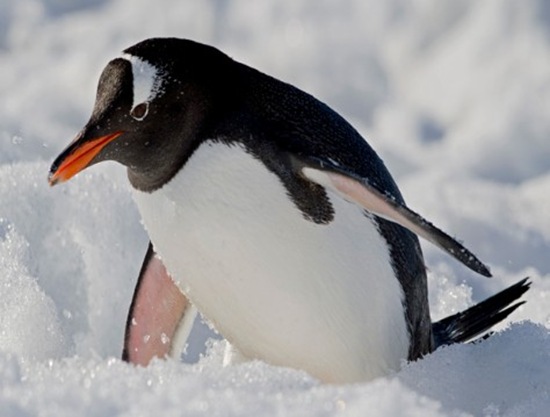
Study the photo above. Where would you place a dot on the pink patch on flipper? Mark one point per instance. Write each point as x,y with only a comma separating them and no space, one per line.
157,309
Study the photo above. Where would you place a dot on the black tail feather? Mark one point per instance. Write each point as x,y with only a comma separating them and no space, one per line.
470,323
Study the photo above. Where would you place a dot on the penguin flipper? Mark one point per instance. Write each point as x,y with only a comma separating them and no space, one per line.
160,316
358,190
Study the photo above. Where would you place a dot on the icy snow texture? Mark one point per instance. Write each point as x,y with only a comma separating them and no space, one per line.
454,96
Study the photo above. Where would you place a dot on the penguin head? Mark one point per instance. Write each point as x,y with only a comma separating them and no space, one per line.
150,107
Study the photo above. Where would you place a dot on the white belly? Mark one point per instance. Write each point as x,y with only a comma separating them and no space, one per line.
322,298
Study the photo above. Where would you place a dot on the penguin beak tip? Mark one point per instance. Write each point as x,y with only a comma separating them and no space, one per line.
78,156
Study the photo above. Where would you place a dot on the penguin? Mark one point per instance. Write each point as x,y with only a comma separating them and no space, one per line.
269,214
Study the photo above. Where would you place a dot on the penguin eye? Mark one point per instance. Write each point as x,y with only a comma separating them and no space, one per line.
140,111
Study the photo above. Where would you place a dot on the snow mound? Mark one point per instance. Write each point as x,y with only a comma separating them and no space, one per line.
504,376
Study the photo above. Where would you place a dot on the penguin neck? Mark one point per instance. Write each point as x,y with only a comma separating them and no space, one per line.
153,168
156,176
145,182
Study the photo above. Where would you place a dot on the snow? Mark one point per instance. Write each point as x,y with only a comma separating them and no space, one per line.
453,95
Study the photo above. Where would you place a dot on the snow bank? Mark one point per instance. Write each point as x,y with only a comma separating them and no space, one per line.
505,376
453,95
70,256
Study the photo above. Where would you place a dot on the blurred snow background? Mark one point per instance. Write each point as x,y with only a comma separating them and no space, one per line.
455,97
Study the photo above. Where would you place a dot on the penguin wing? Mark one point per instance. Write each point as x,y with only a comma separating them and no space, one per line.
160,316
358,190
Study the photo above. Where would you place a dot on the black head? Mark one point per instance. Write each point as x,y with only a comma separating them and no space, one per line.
151,106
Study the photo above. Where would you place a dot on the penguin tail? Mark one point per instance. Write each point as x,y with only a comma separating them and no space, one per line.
470,323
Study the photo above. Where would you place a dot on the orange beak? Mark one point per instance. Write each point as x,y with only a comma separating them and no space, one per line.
77,157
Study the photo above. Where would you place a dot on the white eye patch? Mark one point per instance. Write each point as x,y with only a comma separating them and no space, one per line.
147,84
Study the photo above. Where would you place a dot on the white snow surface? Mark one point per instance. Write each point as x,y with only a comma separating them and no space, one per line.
455,97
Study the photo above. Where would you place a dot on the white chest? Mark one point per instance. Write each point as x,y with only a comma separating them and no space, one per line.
322,298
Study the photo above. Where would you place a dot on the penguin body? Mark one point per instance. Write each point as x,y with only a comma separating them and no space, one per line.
271,281
267,212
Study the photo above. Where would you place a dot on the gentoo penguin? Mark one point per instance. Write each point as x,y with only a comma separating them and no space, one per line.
269,214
